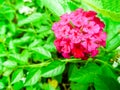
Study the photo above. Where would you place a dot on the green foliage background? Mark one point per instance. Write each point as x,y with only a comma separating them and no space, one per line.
28,57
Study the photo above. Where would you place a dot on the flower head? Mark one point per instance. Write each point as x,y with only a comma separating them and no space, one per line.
79,34
26,10
27,1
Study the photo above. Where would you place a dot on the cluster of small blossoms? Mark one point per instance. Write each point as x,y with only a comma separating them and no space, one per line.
27,1
26,10
118,79
79,34
116,62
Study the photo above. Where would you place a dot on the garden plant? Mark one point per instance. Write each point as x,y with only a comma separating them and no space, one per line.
59,44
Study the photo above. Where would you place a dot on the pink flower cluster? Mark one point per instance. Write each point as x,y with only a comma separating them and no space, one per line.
79,34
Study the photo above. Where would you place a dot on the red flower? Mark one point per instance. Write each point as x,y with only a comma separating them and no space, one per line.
78,51
79,34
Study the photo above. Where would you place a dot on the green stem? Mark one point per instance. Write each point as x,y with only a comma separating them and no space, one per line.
72,60
32,26
107,64
48,62
101,61
35,65
9,84
48,15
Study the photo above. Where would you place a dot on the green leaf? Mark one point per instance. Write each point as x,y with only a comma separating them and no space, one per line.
2,48
105,83
25,55
33,77
50,47
48,87
18,85
108,8
72,69
3,30
31,88
2,86
100,84
7,71
12,28
79,86
102,77
44,33
108,72
12,47
39,3
1,1
114,43
53,69
42,52
65,6
18,58
1,68
2,33
7,11
23,40
4,80
85,74
10,64
109,25
73,5
58,78
32,18
54,6
51,38
17,75
36,42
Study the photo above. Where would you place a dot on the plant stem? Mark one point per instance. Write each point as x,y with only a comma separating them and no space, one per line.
48,62
97,60
9,84
35,65
101,61
72,60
